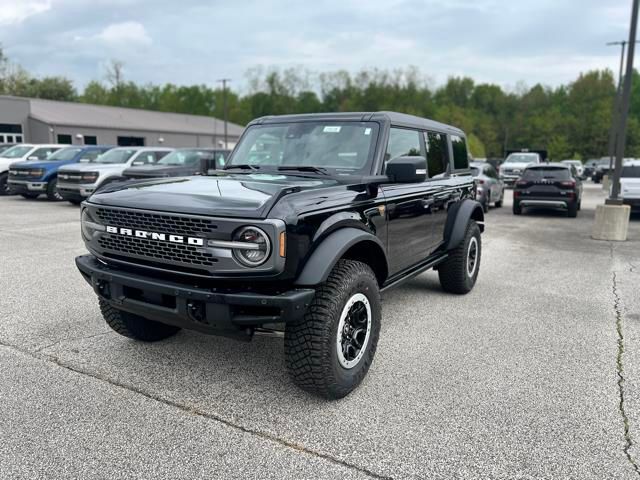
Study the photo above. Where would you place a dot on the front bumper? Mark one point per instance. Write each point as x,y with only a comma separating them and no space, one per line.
76,191
27,186
509,180
194,308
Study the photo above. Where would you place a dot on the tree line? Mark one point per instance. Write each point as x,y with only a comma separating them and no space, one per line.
570,121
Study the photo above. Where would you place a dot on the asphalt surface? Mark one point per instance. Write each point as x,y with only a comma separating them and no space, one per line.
534,374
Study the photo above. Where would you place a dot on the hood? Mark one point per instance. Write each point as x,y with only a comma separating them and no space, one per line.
92,167
161,171
250,196
40,164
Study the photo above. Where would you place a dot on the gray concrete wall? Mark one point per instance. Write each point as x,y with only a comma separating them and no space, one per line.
39,132
16,111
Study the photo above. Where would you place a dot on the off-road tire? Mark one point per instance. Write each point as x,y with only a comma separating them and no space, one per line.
4,190
453,272
311,343
572,210
135,327
52,194
517,209
29,196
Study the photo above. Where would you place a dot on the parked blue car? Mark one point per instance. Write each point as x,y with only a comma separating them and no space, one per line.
32,178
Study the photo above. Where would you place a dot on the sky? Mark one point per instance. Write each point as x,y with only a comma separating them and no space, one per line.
185,42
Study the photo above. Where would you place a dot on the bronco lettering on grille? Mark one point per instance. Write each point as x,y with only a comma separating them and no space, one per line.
130,232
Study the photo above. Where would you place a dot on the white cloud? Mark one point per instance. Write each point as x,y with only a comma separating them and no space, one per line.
16,11
125,34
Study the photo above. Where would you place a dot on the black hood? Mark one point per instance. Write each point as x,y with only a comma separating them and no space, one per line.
250,196
154,171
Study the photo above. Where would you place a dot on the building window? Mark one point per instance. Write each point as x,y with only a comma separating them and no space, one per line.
90,140
64,139
460,155
131,141
10,128
437,153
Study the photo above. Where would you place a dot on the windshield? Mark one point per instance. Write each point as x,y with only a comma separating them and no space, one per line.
186,157
523,158
631,172
345,147
115,156
16,152
64,154
550,173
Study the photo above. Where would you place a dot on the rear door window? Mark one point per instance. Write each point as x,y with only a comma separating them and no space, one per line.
437,154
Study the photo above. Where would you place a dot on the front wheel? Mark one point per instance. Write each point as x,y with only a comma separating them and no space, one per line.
330,350
52,191
4,185
459,272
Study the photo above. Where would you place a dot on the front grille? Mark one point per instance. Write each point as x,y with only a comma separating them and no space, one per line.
173,224
20,174
71,177
153,249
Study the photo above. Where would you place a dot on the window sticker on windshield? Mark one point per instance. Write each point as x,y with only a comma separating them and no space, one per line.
367,131
331,129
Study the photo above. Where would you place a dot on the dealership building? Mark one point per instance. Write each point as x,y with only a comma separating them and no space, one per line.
33,120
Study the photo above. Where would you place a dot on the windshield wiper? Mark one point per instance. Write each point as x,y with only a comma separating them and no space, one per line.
244,166
304,168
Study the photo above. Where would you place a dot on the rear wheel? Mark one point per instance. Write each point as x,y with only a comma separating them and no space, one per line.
573,210
517,209
134,326
330,350
459,272
52,191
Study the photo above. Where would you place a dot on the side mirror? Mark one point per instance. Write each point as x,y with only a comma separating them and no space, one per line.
407,170
207,165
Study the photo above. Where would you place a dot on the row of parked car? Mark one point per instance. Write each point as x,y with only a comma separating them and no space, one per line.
538,183
73,173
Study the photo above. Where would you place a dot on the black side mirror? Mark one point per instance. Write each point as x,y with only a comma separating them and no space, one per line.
407,170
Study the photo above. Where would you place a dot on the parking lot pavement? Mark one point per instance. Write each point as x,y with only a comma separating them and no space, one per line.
522,378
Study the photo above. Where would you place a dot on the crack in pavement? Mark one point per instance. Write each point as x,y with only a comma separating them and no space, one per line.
195,411
68,339
620,372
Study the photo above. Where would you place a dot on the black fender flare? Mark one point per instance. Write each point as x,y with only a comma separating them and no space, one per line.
331,249
457,219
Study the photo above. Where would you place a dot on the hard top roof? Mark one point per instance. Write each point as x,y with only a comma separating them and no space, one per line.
395,118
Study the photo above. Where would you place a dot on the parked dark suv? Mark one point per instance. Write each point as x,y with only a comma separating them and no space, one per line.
313,216
181,162
549,185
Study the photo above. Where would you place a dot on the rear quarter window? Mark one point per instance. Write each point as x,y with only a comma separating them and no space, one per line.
460,154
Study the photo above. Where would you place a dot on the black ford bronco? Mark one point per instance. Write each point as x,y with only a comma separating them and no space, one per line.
312,217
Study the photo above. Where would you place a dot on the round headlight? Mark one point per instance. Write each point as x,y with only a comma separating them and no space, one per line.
258,246
89,226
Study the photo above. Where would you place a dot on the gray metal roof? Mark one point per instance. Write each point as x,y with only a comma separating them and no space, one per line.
101,116
394,118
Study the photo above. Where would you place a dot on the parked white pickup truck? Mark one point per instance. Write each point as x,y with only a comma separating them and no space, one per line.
630,184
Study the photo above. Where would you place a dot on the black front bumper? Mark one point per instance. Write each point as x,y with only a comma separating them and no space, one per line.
71,195
194,308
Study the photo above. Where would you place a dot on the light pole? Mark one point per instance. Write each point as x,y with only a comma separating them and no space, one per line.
224,82
616,103
625,99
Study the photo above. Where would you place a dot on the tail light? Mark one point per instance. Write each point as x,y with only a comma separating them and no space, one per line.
522,183
568,184
480,181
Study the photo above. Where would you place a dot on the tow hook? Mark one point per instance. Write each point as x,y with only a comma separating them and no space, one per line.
196,310
102,288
